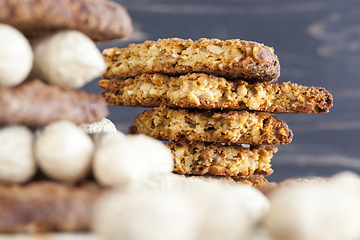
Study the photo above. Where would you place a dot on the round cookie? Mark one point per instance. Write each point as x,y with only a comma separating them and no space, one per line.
233,59
101,20
235,127
46,207
199,158
35,103
204,91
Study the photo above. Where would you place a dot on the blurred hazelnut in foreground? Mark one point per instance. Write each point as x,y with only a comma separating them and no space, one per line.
168,206
230,213
150,215
322,210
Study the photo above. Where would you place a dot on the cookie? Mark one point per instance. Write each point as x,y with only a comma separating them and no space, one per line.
246,60
255,128
47,207
205,91
101,20
35,103
200,158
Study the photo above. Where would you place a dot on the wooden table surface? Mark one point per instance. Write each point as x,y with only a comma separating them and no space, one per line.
318,44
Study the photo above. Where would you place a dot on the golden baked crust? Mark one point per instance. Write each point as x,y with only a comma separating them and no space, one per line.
47,207
199,158
207,91
255,128
101,20
250,61
35,103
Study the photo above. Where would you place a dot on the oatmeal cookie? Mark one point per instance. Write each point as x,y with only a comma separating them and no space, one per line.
35,103
47,207
255,128
249,61
199,158
101,20
210,92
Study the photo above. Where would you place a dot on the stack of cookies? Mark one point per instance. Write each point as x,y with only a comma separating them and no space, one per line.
47,52
212,100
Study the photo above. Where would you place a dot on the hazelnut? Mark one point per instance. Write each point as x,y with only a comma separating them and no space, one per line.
134,158
16,58
64,152
107,137
67,58
153,215
315,209
105,125
17,163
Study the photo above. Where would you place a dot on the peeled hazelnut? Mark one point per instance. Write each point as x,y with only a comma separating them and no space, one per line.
64,152
107,137
134,158
17,163
102,132
67,58
16,56
105,125
230,212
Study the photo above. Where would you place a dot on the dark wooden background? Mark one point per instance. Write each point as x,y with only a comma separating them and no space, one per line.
318,44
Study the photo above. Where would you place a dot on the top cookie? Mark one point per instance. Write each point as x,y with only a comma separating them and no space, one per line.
246,60
101,20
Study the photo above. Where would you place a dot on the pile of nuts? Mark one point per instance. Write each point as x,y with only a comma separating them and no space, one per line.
62,150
